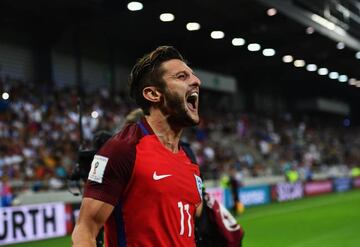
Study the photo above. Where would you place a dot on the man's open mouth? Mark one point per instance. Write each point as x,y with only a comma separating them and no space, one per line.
192,101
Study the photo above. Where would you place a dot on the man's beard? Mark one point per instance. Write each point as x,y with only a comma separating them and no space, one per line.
173,105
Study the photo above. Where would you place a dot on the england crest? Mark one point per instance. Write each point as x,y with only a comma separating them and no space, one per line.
199,185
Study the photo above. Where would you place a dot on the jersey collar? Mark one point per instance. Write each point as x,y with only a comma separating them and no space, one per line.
147,127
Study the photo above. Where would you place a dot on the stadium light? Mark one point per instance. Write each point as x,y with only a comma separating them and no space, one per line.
287,59
299,63
271,12
268,52
340,46
135,6
334,75
323,22
167,17
254,47
311,67
343,78
193,26
310,30
217,34
94,114
5,96
352,81
238,41
357,55
323,71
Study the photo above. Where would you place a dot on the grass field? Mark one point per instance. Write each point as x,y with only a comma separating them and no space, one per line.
55,242
324,221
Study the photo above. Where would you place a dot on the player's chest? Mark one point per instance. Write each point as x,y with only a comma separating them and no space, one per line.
166,175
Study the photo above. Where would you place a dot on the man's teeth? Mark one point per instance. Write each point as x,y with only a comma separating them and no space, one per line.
195,94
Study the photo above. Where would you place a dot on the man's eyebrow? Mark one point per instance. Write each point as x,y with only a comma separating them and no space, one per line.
179,72
190,71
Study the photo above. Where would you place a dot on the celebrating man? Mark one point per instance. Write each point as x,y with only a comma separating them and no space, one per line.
142,185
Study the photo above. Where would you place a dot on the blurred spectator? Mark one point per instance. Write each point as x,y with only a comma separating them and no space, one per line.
6,196
355,171
39,138
39,134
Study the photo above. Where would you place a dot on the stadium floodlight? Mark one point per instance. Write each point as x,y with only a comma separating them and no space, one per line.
340,45
271,12
254,47
323,22
94,114
311,67
287,59
268,52
167,17
310,30
352,81
217,34
135,6
323,71
193,26
299,63
238,41
343,78
357,55
5,96
334,75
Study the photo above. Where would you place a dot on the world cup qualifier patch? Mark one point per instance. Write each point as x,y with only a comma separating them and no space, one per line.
97,170
199,185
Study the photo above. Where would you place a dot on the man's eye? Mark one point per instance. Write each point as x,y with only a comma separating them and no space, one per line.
181,76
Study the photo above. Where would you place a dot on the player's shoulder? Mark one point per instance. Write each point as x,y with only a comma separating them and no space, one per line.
123,141
130,134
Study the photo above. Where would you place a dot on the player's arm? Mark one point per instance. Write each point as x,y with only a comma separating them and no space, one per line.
93,215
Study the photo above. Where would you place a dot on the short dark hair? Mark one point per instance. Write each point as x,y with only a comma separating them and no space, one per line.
147,72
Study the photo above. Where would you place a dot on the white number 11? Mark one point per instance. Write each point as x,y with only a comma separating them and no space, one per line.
185,208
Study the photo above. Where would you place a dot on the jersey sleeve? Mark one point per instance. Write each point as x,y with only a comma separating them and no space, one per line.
111,170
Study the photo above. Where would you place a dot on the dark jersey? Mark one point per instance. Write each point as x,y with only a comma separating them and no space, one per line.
155,192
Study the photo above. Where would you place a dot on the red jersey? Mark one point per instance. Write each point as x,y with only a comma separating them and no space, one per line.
155,192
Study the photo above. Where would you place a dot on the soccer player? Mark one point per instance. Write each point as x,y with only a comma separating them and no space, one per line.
142,186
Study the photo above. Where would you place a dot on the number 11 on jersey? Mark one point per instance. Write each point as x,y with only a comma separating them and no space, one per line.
184,207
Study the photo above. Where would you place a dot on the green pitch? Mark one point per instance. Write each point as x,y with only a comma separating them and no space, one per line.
55,242
325,221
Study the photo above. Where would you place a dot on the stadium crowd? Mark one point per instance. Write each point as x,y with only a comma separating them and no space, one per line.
39,133
259,146
39,138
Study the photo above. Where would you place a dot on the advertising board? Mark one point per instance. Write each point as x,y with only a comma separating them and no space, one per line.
289,191
32,222
255,195
342,184
318,187
356,182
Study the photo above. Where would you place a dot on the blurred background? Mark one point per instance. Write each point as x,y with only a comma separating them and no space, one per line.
279,100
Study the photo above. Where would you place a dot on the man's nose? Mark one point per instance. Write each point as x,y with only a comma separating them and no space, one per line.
195,81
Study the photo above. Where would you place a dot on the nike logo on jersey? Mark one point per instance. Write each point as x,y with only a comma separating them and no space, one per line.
158,177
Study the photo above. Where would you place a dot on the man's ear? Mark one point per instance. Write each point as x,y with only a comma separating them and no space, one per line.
152,94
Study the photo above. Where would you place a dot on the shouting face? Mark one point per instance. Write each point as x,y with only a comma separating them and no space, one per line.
181,95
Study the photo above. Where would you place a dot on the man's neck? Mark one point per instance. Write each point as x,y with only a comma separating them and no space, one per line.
167,134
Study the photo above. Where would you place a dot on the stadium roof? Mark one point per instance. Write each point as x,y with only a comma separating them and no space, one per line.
101,24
